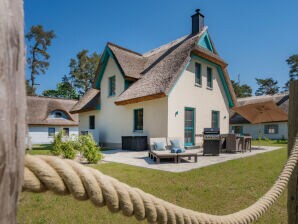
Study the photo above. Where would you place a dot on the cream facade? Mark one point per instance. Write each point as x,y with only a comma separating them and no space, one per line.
162,117
187,94
112,121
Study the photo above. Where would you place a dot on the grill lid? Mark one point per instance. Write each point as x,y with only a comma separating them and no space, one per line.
211,131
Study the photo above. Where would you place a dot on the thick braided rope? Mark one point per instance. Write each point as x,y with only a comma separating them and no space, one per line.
68,177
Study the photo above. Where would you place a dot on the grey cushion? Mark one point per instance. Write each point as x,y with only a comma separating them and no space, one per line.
159,146
175,143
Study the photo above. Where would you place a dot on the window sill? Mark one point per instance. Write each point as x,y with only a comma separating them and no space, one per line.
209,88
198,85
138,131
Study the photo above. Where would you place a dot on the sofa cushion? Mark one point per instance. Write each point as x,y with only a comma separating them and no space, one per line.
159,146
175,143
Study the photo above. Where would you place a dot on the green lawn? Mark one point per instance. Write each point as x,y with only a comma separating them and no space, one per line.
218,189
42,149
270,142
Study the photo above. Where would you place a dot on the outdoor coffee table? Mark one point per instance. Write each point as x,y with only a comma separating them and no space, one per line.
189,154
158,155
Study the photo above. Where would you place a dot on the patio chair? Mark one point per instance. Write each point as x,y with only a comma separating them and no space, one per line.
233,143
158,155
187,153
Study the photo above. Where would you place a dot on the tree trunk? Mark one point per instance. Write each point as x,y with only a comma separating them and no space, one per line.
12,107
293,131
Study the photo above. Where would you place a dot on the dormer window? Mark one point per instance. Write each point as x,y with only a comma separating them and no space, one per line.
58,114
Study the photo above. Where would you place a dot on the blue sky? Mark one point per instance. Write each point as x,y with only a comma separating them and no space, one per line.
255,37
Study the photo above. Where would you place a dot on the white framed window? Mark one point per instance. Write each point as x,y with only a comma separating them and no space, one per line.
66,131
51,132
271,129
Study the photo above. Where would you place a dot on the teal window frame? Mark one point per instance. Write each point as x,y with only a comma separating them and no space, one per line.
136,126
217,121
51,132
198,74
91,122
209,78
271,126
193,127
112,85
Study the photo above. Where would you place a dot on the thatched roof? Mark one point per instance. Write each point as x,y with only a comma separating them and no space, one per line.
281,100
39,109
88,102
156,71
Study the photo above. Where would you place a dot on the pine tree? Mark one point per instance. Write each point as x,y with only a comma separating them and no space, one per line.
38,58
241,90
266,87
82,70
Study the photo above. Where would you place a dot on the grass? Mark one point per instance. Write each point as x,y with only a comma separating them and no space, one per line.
268,142
41,149
219,189
45,149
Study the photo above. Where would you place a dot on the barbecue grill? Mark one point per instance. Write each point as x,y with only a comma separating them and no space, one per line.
212,141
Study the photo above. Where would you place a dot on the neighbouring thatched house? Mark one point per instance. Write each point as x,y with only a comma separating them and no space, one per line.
175,90
47,116
273,130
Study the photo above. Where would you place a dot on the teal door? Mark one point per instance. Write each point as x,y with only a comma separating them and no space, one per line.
189,126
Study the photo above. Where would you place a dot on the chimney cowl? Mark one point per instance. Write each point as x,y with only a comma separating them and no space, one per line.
197,22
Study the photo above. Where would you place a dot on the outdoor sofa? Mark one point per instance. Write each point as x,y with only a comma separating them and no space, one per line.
162,154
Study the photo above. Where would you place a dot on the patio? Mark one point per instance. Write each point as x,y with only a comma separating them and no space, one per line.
141,159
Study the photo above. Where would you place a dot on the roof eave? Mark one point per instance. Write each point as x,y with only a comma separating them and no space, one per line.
140,99
82,110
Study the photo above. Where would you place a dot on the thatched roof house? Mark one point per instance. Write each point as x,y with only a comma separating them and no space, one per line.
39,110
281,100
153,74
152,93
273,130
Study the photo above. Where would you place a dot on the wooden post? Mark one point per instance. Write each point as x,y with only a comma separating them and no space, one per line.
12,107
293,131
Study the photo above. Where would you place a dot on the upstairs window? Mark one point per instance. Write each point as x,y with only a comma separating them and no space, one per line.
92,122
215,119
271,129
198,74
112,86
138,120
209,78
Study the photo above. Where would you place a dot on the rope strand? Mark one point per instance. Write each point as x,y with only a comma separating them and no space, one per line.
63,176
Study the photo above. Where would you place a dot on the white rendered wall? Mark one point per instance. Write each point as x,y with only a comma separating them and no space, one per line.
39,134
186,94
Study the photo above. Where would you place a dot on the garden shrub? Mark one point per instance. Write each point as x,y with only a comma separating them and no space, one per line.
89,148
68,146
57,144
68,150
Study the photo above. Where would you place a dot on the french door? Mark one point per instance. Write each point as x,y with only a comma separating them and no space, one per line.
189,126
